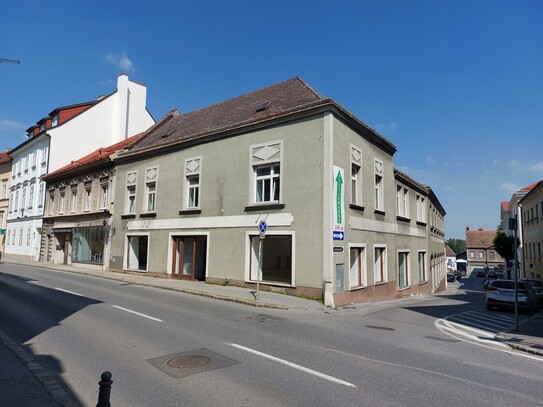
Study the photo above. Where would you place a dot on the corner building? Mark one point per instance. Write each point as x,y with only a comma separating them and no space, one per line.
342,224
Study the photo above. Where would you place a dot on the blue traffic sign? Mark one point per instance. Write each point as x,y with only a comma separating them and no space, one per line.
262,226
338,235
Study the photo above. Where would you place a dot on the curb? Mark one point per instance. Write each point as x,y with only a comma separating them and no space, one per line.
59,395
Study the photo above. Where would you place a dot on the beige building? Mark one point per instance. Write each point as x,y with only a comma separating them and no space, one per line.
5,177
480,250
531,209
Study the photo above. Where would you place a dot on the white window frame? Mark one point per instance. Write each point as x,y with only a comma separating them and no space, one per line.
28,235
151,187
423,277
362,269
62,202
383,263
4,189
402,201
356,176
378,185
130,201
105,195
273,178
193,169
421,209
88,198
74,200
31,188
407,265
266,155
21,231
42,196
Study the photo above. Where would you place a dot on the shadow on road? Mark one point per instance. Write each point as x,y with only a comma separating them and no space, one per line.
21,301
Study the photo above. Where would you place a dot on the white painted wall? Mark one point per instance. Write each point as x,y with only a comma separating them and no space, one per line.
117,117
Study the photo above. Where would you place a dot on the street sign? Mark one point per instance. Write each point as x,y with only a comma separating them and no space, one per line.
338,249
338,235
262,226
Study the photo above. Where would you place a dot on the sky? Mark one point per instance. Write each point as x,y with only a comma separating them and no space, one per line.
456,85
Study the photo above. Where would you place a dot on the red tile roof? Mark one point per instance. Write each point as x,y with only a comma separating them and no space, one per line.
97,155
480,239
505,206
4,158
448,251
529,187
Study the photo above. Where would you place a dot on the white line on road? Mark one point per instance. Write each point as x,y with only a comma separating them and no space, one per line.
137,313
69,292
293,365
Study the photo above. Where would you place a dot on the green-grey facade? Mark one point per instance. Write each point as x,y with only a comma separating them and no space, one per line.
342,223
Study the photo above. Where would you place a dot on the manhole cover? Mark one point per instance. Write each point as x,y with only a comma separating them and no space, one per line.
188,362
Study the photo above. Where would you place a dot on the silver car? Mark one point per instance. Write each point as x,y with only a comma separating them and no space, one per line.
501,293
537,285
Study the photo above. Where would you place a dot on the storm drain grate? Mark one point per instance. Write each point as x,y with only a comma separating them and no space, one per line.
384,328
188,363
438,338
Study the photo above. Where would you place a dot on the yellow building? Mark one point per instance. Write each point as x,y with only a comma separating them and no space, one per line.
531,209
5,177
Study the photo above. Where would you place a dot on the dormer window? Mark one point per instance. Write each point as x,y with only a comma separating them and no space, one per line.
54,121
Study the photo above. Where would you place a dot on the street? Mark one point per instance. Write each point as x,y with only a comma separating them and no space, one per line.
171,349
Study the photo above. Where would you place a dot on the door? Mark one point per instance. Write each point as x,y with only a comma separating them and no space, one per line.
188,257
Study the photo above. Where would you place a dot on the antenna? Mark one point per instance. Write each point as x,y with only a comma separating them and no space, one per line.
10,61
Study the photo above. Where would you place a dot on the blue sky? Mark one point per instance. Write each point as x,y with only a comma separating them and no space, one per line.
457,85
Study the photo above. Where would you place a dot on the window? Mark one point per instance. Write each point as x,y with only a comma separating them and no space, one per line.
472,254
105,196
23,199
4,189
42,127
131,180
20,237
16,202
88,197
51,204
191,187
11,200
34,155
380,265
151,178
42,194
28,235
481,254
379,204
356,176
421,209
62,201
402,201
357,274
422,266
403,270
267,184
44,155
266,172
193,184
131,199
31,195
74,200
54,121
151,196
276,258
491,255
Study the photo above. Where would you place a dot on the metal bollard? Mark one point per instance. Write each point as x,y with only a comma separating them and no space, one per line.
105,390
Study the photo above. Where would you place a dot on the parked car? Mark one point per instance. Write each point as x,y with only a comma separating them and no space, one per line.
501,293
537,285
489,277
480,272
451,277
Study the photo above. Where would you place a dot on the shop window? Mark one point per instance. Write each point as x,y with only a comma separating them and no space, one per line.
276,259
137,252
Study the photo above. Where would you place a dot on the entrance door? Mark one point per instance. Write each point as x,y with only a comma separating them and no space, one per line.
188,257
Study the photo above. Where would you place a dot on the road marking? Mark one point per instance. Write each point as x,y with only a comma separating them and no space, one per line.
293,365
137,313
66,291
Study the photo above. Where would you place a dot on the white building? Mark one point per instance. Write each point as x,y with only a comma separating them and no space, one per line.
67,133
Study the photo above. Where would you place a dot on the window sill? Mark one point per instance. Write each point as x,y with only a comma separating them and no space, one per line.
402,219
404,288
356,207
379,212
358,288
148,215
380,283
128,216
423,282
421,223
263,207
192,211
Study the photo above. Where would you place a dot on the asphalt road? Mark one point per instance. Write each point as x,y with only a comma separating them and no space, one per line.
226,354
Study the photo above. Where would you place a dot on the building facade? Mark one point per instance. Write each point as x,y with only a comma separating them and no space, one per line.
480,250
531,206
53,142
342,224
5,180
79,202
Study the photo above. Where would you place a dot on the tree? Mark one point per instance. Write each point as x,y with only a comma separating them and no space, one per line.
504,245
457,245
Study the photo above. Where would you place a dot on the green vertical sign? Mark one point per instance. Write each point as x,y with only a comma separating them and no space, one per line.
339,214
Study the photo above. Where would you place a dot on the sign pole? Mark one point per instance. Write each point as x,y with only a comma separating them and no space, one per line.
262,226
